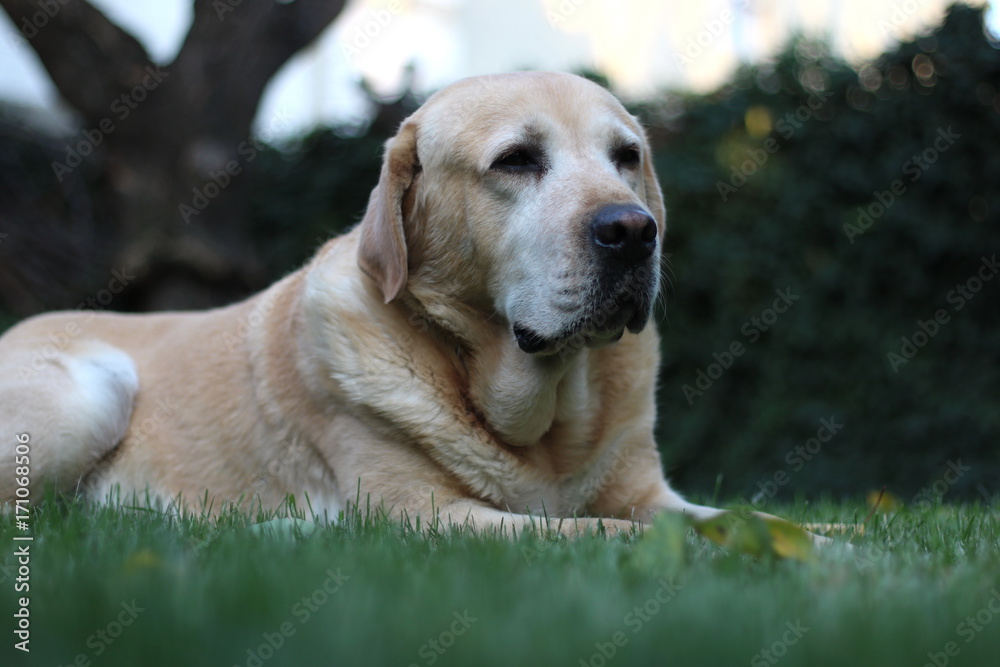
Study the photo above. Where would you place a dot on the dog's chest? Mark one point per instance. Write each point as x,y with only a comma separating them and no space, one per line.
561,474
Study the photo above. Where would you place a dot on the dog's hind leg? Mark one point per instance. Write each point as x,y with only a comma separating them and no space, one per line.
63,410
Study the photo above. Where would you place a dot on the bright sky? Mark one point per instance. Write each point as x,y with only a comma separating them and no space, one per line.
643,45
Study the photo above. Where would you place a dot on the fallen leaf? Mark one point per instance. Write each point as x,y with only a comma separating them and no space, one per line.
789,540
757,536
883,501
144,559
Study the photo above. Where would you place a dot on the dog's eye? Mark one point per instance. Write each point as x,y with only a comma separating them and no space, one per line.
626,157
519,160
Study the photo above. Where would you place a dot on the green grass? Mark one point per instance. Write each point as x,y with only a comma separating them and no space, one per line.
210,591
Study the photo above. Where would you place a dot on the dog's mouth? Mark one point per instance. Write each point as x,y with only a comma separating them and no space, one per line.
528,340
592,330
590,310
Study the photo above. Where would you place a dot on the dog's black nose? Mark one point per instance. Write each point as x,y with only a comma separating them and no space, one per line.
625,232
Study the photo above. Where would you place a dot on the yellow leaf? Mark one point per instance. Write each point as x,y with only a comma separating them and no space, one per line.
757,536
883,501
788,540
144,559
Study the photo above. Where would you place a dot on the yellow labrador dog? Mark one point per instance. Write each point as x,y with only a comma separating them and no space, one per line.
476,350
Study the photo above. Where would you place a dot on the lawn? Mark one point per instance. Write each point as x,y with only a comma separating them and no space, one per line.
113,587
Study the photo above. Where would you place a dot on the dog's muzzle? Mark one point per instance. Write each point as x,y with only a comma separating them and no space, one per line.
623,244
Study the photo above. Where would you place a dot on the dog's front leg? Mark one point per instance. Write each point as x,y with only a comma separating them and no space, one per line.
482,518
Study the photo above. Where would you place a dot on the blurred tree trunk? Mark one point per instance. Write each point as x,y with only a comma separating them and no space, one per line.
174,139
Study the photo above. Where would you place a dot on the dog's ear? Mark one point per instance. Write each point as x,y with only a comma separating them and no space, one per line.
382,250
654,196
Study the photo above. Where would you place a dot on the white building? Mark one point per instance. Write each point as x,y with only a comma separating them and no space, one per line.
642,45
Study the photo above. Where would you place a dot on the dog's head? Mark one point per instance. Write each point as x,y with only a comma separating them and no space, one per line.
530,198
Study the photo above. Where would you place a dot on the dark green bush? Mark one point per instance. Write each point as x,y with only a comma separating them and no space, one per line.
305,196
859,294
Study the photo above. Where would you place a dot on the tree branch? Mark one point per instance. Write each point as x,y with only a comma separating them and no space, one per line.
231,52
90,59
